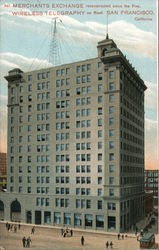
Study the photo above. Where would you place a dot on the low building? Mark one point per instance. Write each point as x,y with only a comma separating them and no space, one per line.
149,202
151,183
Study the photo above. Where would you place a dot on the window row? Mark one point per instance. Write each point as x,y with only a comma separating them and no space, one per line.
62,169
62,82
43,137
83,68
83,90
43,127
62,72
83,79
83,169
62,125
43,75
83,124
62,190
83,112
42,96
62,179
42,106
62,202
83,180
62,93
83,146
43,117
43,158
43,85
42,201
83,134
83,191
42,190
63,104
62,136
43,179
83,101
62,147
62,158
63,115
83,157
43,169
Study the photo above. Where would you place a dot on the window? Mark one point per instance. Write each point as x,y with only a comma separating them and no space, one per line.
111,74
111,121
99,168
88,204
88,78
111,191
111,98
99,157
99,180
111,86
99,76
99,192
111,180
99,99
111,206
111,168
99,133
111,144
83,68
111,222
111,132
99,122
99,145
78,69
67,71
78,79
111,109
100,221
88,220
99,204
29,98
99,87
30,87
111,157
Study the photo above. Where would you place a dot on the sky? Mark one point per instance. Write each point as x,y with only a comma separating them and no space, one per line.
25,43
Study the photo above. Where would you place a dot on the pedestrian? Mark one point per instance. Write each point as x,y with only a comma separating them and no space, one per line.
19,226
82,240
122,236
15,228
107,245
71,232
33,230
61,231
7,225
28,242
118,236
24,241
111,245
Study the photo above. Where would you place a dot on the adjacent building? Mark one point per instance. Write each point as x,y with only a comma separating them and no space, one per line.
151,184
3,171
76,144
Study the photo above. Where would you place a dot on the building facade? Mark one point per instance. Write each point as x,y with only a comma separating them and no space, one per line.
151,184
3,171
76,144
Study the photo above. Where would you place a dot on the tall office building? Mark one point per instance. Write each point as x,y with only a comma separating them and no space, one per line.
76,143
3,171
151,183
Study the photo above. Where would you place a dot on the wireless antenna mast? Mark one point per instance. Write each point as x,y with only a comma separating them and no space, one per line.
54,56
